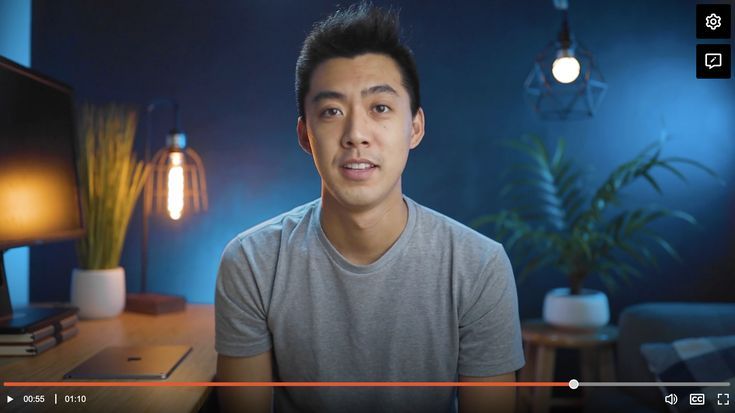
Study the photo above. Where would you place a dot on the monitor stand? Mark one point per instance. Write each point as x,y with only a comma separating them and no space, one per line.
25,317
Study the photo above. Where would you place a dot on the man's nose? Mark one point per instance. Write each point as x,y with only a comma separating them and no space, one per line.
356,129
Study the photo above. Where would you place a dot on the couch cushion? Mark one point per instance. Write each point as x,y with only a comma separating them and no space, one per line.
701,359
664,322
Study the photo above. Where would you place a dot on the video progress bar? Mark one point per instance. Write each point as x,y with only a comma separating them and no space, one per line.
283,384
573,384
654,384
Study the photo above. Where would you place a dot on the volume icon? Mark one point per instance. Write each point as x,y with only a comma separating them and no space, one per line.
671,399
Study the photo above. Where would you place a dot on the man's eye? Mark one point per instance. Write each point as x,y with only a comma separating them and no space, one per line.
331,112
382,108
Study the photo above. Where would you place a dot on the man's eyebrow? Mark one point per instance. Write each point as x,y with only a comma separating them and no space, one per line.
327,94
379,89
331,94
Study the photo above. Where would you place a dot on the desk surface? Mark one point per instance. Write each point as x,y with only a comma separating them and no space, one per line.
194,327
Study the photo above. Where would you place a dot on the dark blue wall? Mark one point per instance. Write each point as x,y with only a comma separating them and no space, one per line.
230,65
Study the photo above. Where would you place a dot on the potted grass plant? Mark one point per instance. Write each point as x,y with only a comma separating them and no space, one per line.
555,223
111,181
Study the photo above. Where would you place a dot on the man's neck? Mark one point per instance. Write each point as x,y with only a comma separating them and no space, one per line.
364,236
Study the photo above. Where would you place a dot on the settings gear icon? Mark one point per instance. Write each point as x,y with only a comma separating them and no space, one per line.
713,21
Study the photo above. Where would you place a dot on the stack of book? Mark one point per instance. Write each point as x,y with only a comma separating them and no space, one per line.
31,338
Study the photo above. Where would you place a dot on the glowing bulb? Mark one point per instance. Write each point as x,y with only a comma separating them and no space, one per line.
565,68
175,184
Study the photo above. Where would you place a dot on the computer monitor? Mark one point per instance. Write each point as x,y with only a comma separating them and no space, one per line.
39,185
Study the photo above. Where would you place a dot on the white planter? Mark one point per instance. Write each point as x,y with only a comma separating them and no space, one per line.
98,293
589,309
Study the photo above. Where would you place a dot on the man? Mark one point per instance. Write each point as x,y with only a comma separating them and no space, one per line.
364,284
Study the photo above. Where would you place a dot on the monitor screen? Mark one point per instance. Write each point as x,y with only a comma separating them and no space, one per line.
39,193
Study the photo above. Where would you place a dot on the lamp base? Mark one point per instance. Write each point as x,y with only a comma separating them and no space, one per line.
150,303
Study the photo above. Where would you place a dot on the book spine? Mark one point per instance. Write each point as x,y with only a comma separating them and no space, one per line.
38,346
27,337
34,336
68,322
58,338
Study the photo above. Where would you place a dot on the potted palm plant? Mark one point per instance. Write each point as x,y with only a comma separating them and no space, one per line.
556,224
111,180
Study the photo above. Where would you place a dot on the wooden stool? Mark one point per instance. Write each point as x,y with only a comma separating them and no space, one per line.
540,341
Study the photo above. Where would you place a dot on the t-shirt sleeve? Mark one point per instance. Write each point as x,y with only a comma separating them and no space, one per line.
241,328
489,329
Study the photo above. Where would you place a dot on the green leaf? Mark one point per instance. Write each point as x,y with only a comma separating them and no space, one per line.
699,165
652,181
558,154
666,246
667,166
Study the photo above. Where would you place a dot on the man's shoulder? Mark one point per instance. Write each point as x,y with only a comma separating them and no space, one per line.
271,231
454,231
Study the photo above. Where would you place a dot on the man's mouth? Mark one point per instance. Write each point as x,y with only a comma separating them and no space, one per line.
359,166
358,169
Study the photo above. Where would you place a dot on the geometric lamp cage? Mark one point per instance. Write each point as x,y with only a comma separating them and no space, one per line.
178,182
565,82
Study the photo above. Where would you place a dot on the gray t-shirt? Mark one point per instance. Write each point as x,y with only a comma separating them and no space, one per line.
441,302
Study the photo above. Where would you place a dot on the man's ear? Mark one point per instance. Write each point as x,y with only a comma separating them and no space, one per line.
303,135
417,128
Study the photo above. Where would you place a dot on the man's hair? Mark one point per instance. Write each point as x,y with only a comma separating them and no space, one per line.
357,30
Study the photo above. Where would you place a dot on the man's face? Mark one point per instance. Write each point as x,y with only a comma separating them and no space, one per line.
359,128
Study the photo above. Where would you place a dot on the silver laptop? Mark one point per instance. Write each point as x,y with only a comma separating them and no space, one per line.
131,362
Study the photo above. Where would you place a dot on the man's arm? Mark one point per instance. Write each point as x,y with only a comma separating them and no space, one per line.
245,399
487,399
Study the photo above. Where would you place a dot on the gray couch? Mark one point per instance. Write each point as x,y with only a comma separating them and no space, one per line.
655,322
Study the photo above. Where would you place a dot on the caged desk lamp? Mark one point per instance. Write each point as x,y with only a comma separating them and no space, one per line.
177,186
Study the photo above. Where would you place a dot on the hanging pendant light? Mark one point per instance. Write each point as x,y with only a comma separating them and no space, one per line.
565,82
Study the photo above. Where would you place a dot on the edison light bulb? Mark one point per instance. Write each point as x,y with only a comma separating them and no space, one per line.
565,68
175,184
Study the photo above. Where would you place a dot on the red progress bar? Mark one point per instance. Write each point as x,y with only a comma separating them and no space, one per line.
285,384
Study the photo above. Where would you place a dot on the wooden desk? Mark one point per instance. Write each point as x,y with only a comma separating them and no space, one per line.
194,327
540,341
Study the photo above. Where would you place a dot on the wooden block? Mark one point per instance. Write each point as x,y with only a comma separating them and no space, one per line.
149,303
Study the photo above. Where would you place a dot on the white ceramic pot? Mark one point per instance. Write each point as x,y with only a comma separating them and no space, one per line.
98,293
589,309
